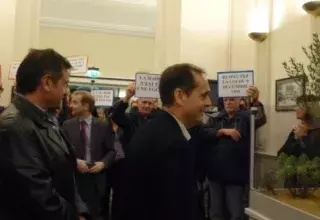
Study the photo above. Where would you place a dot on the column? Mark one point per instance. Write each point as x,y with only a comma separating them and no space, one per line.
19,26
193,31
26,27
168,34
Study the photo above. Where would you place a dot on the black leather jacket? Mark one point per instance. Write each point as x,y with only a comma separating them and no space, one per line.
37,166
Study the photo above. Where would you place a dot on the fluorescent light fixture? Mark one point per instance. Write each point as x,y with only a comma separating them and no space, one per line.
141,2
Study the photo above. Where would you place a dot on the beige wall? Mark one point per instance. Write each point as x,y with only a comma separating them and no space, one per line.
19,31
291,29
116,55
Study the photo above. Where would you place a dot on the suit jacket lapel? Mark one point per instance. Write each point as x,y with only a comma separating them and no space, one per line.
75,136
55,135
68,143
93,135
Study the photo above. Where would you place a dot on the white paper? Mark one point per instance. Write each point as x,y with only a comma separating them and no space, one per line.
79,64
147,85
103,97
13,70
234,83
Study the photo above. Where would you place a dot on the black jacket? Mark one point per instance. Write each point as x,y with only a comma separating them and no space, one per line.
129,122
161,181
37,166
228,161
308,145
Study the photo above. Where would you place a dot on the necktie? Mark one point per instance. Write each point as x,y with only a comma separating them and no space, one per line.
83,134
118,148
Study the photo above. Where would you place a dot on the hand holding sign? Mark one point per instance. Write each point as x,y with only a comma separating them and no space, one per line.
129,92
253,93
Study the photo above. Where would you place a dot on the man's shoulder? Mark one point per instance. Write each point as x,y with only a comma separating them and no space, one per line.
70,121
13,121
102,124
162,127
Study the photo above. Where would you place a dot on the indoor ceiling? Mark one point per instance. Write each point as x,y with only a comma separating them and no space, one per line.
135,14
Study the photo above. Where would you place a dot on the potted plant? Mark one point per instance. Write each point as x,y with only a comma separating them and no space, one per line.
310,75
301,175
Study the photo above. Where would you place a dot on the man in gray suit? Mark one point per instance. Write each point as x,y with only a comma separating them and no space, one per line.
94,150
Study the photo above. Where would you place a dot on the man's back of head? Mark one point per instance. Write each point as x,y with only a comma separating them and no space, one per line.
42,77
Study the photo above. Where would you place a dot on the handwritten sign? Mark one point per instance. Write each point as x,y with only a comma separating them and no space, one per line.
147,85
234,83
79,64
103,97
13,70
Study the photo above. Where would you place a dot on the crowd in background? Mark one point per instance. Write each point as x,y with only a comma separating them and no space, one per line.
63,158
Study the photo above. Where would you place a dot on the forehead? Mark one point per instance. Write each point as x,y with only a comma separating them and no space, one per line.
201,82
231,99
145,100
76,96
65,74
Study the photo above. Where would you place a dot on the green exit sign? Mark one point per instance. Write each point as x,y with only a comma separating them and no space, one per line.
93,72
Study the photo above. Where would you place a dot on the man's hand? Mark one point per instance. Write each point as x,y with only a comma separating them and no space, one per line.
82,166
233,133
253,93
97,168
129,92
300,130
82,218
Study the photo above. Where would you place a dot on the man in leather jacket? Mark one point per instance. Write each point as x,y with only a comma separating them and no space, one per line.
37,162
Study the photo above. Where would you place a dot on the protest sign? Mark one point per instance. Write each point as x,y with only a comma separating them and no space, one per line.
13,70
147,85
234,83
103,97
79,64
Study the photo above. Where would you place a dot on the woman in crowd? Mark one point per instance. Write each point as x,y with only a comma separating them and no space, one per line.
305,136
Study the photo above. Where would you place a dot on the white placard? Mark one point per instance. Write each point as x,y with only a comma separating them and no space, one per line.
234,83
103,97
13,70
147,85
79,64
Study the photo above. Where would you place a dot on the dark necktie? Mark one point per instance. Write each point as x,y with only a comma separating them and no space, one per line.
83,134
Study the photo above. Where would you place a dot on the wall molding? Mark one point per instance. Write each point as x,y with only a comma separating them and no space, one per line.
107,28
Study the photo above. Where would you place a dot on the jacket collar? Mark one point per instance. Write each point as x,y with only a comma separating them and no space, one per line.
29,109
224,114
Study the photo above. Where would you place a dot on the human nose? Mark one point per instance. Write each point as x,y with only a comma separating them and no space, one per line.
208,101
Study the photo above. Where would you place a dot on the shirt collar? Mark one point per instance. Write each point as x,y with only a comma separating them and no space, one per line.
22,96
182,127
88,119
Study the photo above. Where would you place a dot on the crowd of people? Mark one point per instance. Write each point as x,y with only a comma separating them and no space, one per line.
67,160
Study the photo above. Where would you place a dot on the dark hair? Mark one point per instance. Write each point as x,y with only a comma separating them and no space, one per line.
37,64
305,101
87,98
177,76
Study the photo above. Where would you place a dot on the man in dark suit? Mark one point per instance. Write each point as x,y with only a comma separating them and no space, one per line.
161,182
94,150
37,163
